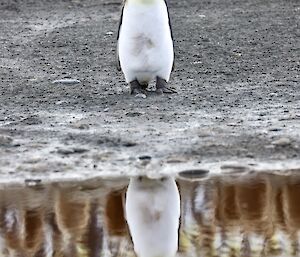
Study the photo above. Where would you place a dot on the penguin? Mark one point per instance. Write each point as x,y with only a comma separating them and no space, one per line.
145,45
152,211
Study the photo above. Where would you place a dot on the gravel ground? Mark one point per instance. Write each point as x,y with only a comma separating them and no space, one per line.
237,74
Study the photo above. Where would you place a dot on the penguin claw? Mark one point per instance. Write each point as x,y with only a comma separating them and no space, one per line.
166,90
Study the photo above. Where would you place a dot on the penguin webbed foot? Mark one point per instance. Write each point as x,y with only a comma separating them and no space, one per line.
161,87
137,89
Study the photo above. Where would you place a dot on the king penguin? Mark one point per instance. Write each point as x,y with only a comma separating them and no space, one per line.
145,45
152,213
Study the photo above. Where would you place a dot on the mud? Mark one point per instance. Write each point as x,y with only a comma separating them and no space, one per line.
237,77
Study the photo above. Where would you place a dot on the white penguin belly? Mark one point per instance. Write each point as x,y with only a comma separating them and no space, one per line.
152,215
145,42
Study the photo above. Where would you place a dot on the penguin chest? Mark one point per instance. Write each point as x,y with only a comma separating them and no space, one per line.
145,43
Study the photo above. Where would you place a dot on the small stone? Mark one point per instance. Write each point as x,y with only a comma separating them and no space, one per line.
80,150
79,125
32,120
145,158
66,81
143,96
250,155
262,114
5,140
65,151
61,102
233,124
129,144
72,151
284,141
275,129
33,160
133,114
32,182
269,146
176,159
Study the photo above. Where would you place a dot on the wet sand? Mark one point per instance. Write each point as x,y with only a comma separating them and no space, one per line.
236,73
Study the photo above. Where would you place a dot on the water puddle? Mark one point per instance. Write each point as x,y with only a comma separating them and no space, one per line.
253,214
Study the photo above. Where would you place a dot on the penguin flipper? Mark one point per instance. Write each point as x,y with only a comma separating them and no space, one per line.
118,64
173,66
171,30
118,35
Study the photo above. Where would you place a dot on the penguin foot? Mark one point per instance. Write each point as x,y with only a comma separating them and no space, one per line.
161,87
137,89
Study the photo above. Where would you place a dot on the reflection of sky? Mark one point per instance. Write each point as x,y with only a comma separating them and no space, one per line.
229,216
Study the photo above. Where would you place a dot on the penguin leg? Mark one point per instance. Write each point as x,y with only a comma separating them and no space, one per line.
136,88
161,87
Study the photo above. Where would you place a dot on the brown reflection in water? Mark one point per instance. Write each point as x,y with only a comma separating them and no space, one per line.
291,209
72,217
21,222
118,240
255,206
93,238
247,215
114,213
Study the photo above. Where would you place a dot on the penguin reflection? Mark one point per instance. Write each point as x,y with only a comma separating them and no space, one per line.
152,213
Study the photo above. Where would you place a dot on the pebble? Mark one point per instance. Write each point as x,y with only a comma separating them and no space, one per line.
129,144
71,151
5,140
66,81
275,129
32,120
284,141
133,114
32,182
173,159
143,96
80,150
80,126
65,151
145,157
61,102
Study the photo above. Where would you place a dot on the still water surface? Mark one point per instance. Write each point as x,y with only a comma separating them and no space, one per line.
229,215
